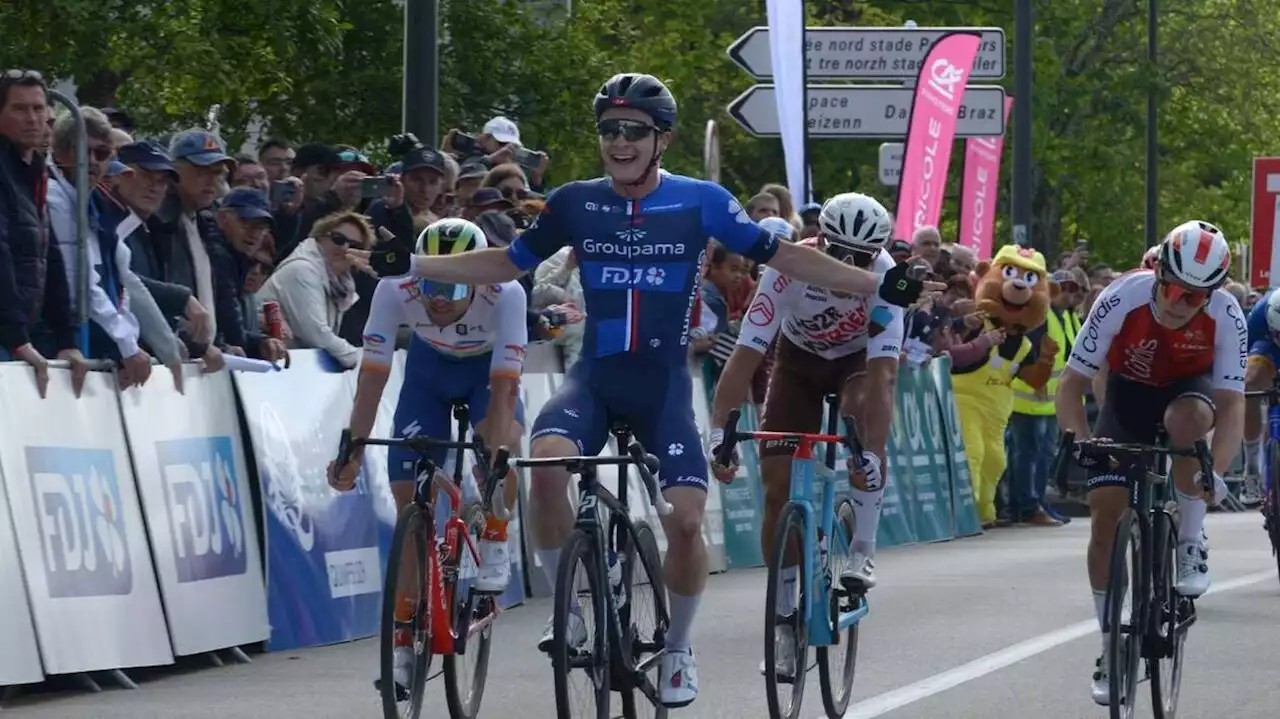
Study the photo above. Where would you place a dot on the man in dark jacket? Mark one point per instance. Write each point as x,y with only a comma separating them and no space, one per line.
232,235
36,320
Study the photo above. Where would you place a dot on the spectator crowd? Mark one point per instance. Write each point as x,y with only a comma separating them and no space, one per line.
189,245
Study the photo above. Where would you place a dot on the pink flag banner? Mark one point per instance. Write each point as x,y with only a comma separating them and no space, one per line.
979,188
940,87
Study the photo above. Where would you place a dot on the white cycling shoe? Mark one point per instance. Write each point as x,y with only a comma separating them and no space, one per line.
784,653
1101,688
577,633
402,669
495,567
1193,569
862,570
679,679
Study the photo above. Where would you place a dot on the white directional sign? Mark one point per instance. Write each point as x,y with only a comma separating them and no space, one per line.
891,154
866,111
867,53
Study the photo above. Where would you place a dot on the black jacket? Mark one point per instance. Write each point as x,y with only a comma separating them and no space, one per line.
229,270
33,282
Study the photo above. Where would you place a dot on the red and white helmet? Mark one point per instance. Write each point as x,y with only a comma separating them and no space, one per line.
1151,258
1196,254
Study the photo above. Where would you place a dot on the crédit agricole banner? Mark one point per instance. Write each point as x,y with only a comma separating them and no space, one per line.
979,188
940,87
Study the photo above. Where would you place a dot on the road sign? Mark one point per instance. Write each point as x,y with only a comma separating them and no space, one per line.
866,111
891,154
1264,234
867,53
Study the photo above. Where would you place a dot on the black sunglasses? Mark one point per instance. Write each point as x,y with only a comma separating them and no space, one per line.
341,240
848,255
629,130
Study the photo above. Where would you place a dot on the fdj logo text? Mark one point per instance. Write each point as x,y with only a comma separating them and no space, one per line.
78,509
202,498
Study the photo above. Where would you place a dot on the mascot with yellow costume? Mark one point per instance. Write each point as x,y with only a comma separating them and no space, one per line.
1012,297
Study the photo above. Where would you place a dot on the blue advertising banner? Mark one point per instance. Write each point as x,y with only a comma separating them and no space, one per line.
325,549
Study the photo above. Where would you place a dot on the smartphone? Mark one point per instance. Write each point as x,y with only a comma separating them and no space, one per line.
465,145
282,192
528,159
376,186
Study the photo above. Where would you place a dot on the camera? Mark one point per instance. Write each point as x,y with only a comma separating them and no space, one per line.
376,186
282,192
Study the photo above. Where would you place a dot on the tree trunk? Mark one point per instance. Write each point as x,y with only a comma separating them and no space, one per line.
101,89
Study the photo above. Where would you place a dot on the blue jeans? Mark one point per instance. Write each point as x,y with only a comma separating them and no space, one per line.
1032,443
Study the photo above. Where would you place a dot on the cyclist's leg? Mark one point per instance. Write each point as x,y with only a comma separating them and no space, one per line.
1188,417
868,395
1259,375
495,562
573,422
793,403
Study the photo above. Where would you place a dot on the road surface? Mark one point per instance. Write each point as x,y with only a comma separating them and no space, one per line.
992,627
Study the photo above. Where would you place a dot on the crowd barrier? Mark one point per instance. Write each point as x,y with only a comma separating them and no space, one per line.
147,525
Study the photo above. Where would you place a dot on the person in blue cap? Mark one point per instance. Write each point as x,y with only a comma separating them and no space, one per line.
242,239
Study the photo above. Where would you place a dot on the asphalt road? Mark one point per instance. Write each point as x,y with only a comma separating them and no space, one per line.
994,627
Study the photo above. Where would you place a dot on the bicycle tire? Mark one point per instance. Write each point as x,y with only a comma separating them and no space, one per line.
464,613
642,551
1273,499
1124,647
790,527
1167,640
836,704
580,549
413,525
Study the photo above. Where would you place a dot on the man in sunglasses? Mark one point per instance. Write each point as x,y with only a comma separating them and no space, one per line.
1173,347
640,236
832,343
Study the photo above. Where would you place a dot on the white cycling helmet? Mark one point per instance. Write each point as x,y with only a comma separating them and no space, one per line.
450,236
1196,254
856,221
1273,313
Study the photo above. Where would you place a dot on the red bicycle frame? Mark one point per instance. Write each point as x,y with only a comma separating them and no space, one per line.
805,442
440,555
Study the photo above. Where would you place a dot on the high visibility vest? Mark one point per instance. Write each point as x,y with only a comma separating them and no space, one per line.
987,389
1025,399
1073,325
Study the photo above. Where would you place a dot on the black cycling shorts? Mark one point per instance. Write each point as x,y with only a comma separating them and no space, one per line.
1143,413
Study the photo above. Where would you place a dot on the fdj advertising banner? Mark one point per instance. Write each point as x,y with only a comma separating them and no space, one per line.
195,492
78,524
963,508
324,562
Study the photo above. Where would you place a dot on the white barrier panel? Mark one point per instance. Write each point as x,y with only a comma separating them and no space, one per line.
79,525
19,655
538,389
191,473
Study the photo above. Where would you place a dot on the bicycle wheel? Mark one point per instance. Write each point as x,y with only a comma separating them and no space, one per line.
593,655
790,533
1164,660
837,663
1124,647
465,671
412,535
644,630
1273,498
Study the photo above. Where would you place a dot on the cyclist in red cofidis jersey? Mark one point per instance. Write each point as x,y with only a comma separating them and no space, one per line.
1163,347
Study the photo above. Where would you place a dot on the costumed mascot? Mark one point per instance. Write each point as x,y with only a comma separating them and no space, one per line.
1013,297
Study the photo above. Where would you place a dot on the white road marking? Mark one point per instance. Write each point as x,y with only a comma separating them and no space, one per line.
902,696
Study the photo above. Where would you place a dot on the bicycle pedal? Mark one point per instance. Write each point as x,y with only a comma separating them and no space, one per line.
402,693
854,586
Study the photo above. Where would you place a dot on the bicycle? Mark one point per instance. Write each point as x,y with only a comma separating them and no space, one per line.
1145,548
444,620
828,610
1271,507
609,551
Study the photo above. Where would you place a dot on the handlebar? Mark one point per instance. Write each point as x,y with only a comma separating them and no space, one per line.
724,454
1108,451
423,445
647,464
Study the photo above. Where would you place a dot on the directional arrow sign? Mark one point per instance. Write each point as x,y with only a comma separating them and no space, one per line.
867,53
866,111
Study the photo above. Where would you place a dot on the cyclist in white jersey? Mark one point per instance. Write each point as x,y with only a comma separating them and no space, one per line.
832,343
468,344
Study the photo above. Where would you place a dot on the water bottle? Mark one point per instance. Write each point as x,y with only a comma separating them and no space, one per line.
615,579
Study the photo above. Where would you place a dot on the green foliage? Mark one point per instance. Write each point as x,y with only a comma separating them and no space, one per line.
331,69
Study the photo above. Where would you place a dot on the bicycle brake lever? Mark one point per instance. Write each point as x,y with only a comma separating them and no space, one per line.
344,449
724,453
649,465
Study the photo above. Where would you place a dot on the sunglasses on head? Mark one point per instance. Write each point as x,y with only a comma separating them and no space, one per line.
17,75
629,130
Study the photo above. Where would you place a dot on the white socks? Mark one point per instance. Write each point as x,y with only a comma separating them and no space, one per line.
786,602
866,512
683,610
1192,511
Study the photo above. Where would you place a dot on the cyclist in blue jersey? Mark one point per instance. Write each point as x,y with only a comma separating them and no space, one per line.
639,236
1264,359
